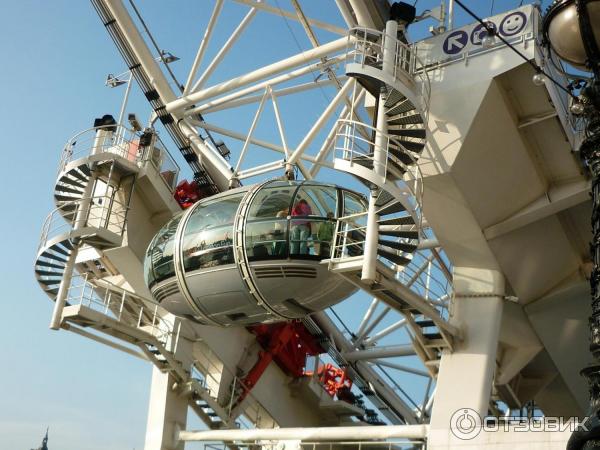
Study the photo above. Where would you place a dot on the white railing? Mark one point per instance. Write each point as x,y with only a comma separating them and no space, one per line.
365,47
125,143
209,374
103,212
395,444
349,237
351,145
122,306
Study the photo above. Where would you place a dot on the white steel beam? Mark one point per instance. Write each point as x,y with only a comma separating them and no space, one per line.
250,133
277,92
353,433
290,15
259,142
386,331
263,85
557,199
402,368
329,142
216,165
391,351
224,49
257,75
310,136
203,45
383,390
346,12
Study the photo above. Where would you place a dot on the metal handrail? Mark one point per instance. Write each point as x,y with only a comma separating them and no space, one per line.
365,47
123,142
104,212
85,143
347,146
122,306
203,371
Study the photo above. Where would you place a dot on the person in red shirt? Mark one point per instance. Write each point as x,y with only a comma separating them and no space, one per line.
300,228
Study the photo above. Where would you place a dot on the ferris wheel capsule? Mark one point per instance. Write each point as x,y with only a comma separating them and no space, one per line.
253,254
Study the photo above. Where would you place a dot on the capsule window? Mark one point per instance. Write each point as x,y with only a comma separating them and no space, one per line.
208,235
159,263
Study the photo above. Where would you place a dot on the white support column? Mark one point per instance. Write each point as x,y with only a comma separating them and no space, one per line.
63,290
167,410
465,376
379,157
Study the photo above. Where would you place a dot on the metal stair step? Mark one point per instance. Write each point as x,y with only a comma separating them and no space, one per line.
399,108
400,233
394,97
393,257
64,198
408,119
416,147
48,273
47,254
425,323
71,179
408,220
402,155
50,282
395,207
432,336
418,133
85,170
364,161
60,187
384,198
52,291
57,248
49,264
402,246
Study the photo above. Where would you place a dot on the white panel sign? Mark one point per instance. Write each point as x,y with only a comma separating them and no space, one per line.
510,25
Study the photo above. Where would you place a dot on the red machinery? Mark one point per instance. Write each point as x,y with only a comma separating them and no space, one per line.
288,344
187,193
334,380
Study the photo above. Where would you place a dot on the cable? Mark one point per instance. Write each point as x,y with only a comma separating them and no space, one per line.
315,78
491,30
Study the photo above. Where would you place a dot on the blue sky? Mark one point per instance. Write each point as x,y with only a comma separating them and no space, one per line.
56,56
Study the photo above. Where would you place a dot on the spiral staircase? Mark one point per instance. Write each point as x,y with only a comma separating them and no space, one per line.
384,158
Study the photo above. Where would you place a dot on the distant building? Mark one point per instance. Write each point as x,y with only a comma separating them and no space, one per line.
44,442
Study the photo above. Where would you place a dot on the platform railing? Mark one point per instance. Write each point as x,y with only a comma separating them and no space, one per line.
395,444
104,212
365,47
114,139
125,143
209,375
122,306
351,145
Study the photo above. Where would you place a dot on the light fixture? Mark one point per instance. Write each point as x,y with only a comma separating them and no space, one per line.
114,81
571,31
570,26
168,57
538,79
134,122
488,41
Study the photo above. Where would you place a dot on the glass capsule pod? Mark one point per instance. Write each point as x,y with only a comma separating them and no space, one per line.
252,255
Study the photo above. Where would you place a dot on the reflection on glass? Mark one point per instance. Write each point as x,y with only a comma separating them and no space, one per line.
159,257
208,236
266,240
272,201
353,204
322,200
209,248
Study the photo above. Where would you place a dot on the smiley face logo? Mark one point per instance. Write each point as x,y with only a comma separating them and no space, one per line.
513,24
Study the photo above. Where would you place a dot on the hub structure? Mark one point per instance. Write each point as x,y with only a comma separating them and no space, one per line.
398,260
